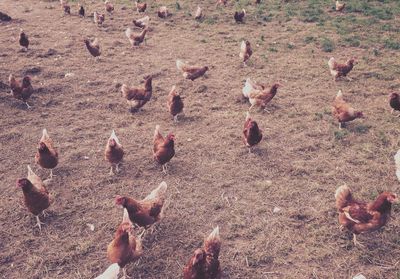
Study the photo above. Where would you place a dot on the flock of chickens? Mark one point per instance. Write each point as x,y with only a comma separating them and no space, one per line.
126,247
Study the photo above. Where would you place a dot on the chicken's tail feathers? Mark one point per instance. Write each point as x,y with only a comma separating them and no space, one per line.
397,161
244,11
128,33
173,91
339,95
111,272
248,87
248,115
342,196
159,192
180,65
157,130
45,135
331,63
125,217
30,171
11,78
114,137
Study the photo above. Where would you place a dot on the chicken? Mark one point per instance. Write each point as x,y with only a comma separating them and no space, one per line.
340,70
252,135
163,149
397,162
394,101
361,217
190,72
136,39
114,152
147,212
138,97
250,86
142,22
343,112
204,263
111,272
21,91
81,11
125,247
175,103
239,16
93,47
98,18
109,7
23,40
258,1
66,7
46,155
340,6
222,2
36,196
163,12
262,98
141,7
245,51
198,14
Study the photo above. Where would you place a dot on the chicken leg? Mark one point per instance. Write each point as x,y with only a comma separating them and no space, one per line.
38,223
176,118
27,105
356,243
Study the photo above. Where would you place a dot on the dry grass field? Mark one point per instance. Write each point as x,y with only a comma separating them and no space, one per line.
212,180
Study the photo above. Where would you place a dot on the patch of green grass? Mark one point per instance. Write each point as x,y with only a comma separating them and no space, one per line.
353,41
313,13
309,39
178,6
318,116
211,20
291,46
341,134
392,44
362,129
327,45
272,49
203,41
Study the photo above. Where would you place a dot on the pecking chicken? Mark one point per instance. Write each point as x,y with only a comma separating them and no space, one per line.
125,247
81,11
147,212
98,18
21,91
245,51
361,217
341,70
394,102
163,12
109,7
204,263
141,7
339,6
190,72
138,97
163,149
343,112
93,47
136,39
36,197
142,22
174,103
262,98
23,40
114,152
239,16
198,14
250,86
111,272
46,155
66,7
252,135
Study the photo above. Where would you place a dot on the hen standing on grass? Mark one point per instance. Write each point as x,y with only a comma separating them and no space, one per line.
66,7
108,7
360,217
252,134
141,22
98,18
114,152
138,97
163,149
23,40
140,7
341,70
47,155
136,39
339,6
81,11
394,102
239,16
174,103
93,47
262,98
21,91
245,51
190,72
204,263
36,197
343,112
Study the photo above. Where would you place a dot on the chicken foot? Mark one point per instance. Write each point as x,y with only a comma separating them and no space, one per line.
38,223
356,243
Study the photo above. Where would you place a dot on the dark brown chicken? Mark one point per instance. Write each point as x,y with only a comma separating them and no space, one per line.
141,7
23,40
114,152
190,72
163,149
163,12
98,18
343,112
239,16
93,47
47,155
204,264
81,11
339,6
341,70
252,135
36,197
175,103
138,97
141,22
148,211
261,98
125,247
361,217
394,101
136,39
66,7
245,51
108,7
21,91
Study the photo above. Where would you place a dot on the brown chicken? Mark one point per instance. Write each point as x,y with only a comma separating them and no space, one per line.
109,7
138,97
204,263
163,149
125,247
361,217
341,70
47,155
93,47
245,51
239,16
23,40
98,18
252,135
141,22
343,112
198,14
163,12
262,98
141,7
66,7
21,91
394,102
190,72
339,6
175,103
114,152
147,212
36,197
81,11
136,39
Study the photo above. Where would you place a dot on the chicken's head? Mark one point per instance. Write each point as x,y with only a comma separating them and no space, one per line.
112,142
393,96
42,147
23,183
359,114
26,81
352,61
392,198
171,137
199,256
119,200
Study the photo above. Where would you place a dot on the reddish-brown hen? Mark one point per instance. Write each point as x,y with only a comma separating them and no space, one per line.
93,47
190,72
394,102
138,97
141,7
46,155
174,103
245,51
163,149
252,135
239,16
109,7
21,91
262,98
23,40
341,70
136,39
114,152
343,112
204,263
361,217
163,12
